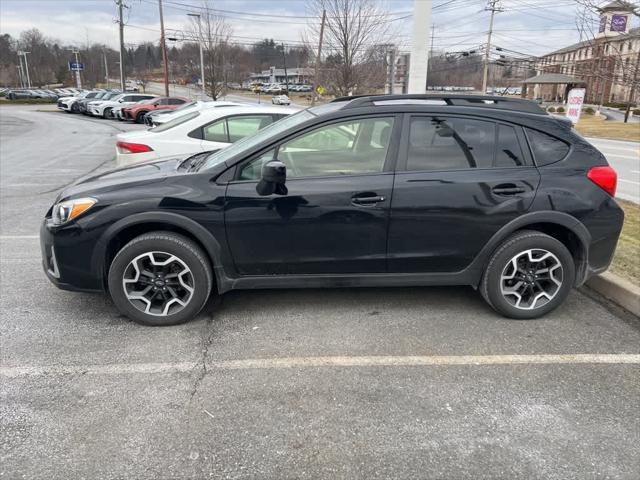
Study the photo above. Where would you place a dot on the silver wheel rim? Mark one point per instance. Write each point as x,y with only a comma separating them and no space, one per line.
158,283
531,279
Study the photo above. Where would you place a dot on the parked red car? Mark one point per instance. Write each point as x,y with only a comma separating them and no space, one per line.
139,110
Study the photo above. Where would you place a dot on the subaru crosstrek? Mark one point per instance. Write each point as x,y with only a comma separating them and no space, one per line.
364,191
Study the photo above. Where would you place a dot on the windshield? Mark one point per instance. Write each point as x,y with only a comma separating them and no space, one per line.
175,122
262,136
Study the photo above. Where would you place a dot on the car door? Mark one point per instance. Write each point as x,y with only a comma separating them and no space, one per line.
333,217
459,180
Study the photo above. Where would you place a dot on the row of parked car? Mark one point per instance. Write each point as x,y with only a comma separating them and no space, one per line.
38,93
114,104
276,88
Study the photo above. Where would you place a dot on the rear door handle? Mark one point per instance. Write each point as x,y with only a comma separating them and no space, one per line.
507,189
367,200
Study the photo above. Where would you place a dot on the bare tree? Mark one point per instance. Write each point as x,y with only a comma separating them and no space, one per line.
614,60
352,28
214,33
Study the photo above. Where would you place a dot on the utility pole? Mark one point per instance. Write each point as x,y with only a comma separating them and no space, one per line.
392,68
121,28
493,7
433,31
26,67
419,47
106,67
204,89
317,66
286,77
163,46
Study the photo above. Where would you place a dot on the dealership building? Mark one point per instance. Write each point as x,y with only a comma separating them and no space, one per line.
605,65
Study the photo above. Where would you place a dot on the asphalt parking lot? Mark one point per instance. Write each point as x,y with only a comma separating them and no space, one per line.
371,383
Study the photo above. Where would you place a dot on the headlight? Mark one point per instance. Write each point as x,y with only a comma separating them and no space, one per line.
64,212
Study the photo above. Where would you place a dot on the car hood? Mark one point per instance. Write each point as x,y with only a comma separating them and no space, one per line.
134,175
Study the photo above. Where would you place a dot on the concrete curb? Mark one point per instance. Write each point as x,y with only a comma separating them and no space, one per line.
620,291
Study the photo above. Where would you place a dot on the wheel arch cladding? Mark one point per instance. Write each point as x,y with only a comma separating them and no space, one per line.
125,230
561,226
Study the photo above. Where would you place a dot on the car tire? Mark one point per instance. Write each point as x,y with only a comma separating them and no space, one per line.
528,276
187,277
140,117
75,108
106,114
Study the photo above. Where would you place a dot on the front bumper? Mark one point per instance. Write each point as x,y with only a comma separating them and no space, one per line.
66,258
94,111
64,106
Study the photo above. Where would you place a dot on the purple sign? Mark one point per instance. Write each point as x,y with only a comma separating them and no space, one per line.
618,23
603,24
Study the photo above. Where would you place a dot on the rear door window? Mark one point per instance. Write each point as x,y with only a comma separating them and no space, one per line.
240,127
450,143
546,148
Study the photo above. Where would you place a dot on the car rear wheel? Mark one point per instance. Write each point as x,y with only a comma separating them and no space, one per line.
528,276
160,278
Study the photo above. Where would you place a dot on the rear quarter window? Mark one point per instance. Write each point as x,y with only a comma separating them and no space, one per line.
546,148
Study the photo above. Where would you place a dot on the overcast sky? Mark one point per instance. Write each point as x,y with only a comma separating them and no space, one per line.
526,26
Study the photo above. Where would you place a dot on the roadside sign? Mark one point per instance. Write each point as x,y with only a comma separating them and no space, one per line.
321,90
76,66
574,104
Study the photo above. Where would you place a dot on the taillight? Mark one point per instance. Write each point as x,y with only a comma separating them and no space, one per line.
126,147
604,177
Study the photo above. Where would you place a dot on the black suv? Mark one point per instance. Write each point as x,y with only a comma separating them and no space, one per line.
364,191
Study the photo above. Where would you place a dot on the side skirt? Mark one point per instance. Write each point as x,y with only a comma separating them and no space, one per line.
466,277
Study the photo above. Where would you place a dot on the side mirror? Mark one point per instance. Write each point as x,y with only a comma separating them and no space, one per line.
274,176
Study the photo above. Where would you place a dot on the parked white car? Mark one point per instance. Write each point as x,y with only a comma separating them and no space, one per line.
281,100
69,104
104,108
196,131
192,107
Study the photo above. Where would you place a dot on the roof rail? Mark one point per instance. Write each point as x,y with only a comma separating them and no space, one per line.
483,101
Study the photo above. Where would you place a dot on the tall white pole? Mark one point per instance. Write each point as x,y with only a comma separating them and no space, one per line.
26,67
204,89
78,80
200,39
420,46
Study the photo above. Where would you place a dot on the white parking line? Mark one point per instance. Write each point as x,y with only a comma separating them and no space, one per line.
628,181
18,237
316,362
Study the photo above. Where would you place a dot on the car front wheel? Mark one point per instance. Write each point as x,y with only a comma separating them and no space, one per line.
160,278
528,276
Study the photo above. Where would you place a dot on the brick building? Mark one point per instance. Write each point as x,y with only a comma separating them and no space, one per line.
606,64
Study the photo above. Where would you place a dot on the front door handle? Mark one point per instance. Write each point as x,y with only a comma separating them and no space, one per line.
507,189
367,200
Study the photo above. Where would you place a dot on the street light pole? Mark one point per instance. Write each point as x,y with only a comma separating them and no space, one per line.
106,68
26,67
77,70
204,90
